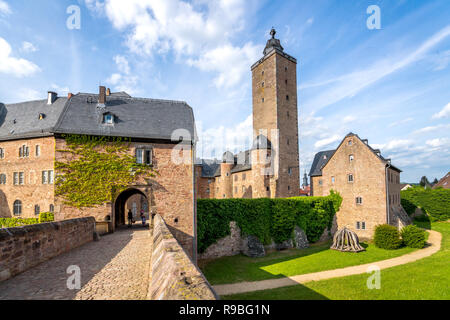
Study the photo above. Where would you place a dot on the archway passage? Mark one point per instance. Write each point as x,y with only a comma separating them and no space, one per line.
130,199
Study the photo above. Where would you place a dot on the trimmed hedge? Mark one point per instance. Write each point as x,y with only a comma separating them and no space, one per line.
435,202
17,222
413,236
46,217
387,237
267,219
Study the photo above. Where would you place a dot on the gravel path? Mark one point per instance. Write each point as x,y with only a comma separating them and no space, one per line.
434,246
115,268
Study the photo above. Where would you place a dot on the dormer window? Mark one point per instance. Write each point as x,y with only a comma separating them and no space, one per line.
108,118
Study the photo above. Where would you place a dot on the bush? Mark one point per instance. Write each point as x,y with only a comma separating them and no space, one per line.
413,237
436,203
266,219
46,217
387,237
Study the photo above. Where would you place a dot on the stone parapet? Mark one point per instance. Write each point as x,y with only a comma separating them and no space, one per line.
173,274
22,248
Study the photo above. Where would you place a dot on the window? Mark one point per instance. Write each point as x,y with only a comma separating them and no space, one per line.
267,188
358,225
209,181
244,176
224,196
287,98
320,182
350,142
17,208
324,157
363,225
37,210
243,189
351,157
24,151
2,153
236,178
358,200
208,191
108,118
350,178
288,141
235,190
262,84
47,177
290,171
289,188
52,208
2,178
38,150
262,100
144,156
18,178
262,73
285,68
288,115
285,81
333,179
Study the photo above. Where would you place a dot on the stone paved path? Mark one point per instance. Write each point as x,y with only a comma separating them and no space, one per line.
116,267
434,242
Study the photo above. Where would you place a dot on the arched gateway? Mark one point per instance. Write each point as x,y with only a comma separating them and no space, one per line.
135,198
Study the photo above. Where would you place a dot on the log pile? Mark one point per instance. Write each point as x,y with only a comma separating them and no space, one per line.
346,241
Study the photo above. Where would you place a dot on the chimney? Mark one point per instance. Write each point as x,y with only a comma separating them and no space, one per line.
108,92
51,97
102,95
69,95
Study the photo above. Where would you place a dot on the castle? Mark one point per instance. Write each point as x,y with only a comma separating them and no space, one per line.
271,167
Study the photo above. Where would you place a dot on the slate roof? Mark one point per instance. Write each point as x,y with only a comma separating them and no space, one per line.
319,162
135,117
211,168
21,120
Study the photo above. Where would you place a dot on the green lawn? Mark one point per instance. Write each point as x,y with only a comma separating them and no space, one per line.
291,262
428,278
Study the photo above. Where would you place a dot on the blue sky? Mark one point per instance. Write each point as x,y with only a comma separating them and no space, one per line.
391,86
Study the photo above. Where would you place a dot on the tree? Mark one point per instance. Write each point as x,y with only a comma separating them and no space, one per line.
424,182
435,181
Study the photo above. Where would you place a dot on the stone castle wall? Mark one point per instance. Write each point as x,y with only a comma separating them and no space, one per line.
33,191
173,274
22,248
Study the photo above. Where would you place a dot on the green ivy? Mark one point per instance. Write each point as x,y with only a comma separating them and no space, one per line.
267,219
46,217
17,222
101,168
435,202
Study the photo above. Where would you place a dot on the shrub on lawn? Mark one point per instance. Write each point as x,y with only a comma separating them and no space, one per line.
46,217
413,237
266,219
387,237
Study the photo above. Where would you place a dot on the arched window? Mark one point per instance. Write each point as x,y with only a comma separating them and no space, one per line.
17,208
52,208
37,210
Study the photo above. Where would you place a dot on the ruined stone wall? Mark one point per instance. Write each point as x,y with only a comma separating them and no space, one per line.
33,191
231,245
173,274
22,248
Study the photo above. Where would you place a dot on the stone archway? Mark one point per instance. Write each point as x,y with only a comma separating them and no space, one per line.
122,205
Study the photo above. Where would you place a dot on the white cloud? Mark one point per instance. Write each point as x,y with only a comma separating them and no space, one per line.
349,85
214,142
397,123
28,47
444,113
432,128
123,80
60,90
4,8
17,67
438,142
199,32
327,141
26,94
394,145
349,119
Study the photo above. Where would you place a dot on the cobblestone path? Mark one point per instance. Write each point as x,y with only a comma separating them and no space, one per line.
114,268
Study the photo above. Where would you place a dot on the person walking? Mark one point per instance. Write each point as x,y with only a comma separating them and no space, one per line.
130,218
143,218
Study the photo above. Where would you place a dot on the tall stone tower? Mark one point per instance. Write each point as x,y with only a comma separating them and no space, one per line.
275,115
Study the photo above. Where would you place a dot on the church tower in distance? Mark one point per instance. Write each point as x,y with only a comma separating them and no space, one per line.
275,115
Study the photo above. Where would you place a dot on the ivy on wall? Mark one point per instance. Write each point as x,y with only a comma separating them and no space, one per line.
267,219
99,168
